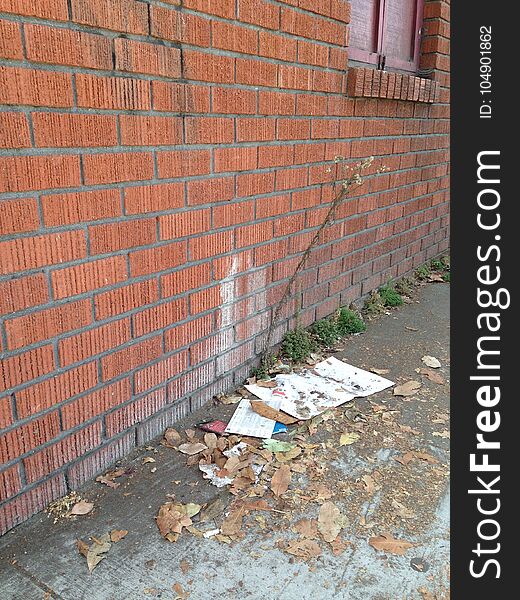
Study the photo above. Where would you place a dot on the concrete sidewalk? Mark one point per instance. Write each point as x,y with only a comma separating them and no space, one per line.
379,494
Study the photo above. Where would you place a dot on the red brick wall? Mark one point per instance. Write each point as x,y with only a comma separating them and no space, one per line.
162,164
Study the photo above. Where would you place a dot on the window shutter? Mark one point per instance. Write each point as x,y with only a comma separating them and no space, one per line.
401,33
364,30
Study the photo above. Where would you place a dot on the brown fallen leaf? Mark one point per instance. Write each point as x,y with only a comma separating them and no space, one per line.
370,485
148,459
404,459
408,429
330,521
426,457
116,535
172,436
108,478
402,511
303,548
281,480
81,508
94,553
179,590
210,439
380,371
442,434
307,528
264,410
387,543
431,361
185,566
192,448
407,389
432,375
266,383
171,518
232,524
213,510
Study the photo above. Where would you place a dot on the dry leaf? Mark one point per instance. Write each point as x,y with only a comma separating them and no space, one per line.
94,553
281,480
81,508
402,511
387,543
348,438
171,518
407,389
303,548
404,459
172,436
408,429
370,485
432,375
148,459
380,371
307,528
431,361
267,383
210,439
117,535
213,510
185,566
264,410
442,434
192,448
232,524
426,457
181,594
330,521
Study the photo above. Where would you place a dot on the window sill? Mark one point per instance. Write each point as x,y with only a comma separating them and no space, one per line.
369,83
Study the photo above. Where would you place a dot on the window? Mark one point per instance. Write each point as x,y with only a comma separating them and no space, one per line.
386,33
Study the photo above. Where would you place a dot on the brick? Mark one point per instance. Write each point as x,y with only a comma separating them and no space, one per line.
153,198
256,72
95,403
21,173
231,214
250,235
126,298
338,59
185,280
311,53
180,97
296,78
142,57
293,129
221,8
211,190
35,88
184,223
94,341
259,12
160,372
6,412
131,357
192,380
34,252
47,324
272,45
45,9
340,10
206,299
183,163
115,93
200,66
24,292
160,258
129,16
209,130
252,184
235,38
17,216
72,130
51,458
29,436
150,131
277,103
111,237
233,101
180,27
10,483
61,46
88,276
25,366
188,333
255,130
135,412
235,159
211,245
10,40
58,388
269,156
273,205
210,347
112,168
159,317
79,207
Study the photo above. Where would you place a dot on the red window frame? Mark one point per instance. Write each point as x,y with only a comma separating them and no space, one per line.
379,58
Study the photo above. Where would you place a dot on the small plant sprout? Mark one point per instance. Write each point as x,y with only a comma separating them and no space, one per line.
346,177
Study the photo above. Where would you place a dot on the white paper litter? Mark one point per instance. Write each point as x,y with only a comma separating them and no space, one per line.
328,384
210,472
211,533
246,422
